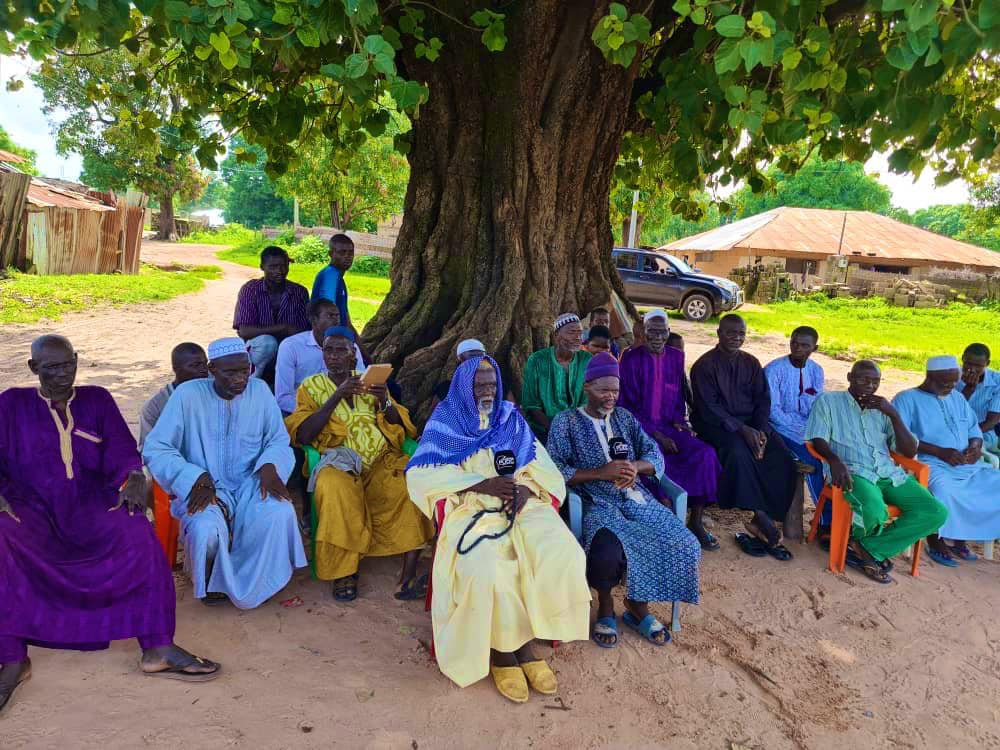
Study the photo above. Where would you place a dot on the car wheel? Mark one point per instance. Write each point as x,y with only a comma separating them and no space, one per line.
697,307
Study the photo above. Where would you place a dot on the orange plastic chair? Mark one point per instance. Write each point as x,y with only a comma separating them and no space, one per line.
165,525
843,514
439,522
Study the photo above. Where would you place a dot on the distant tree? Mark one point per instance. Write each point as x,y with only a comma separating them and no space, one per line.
949,220
29,156
120,122
252,200
818,184
354,188
215,195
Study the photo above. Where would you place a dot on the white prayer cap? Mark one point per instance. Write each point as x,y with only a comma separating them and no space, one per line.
654,314
469,345
226,348
943,362
564,320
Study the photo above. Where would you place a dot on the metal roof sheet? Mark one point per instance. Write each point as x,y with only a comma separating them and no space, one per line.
817,231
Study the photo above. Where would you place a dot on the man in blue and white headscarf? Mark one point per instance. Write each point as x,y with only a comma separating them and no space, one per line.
507,569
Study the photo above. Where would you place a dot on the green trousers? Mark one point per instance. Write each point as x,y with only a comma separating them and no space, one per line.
921,514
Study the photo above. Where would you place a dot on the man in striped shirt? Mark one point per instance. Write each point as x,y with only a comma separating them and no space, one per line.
270,309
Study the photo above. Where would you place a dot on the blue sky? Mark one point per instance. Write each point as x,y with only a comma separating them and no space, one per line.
21,115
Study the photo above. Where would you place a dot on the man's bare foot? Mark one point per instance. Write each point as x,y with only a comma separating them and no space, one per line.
174,662
12,674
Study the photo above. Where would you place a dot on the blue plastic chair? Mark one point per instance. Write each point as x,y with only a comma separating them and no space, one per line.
671,489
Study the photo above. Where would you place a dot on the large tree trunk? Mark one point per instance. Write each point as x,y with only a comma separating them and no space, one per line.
168,227
506,215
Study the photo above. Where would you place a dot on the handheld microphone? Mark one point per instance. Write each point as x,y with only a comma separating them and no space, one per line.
618,449
505,463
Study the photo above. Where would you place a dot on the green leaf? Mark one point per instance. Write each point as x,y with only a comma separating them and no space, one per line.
356,65
791,59
732,26
736,95
933,55
228,59
922,12
333,70
890,6
376,45
203,51
615,40
494,37
284,15
727,57
385,65
988,13
217,3
407,94
682,8
838,79
757,52
219,41
175,10
698,16
901,57
308,36
619,11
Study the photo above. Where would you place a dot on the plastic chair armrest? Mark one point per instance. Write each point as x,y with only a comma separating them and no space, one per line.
677,494
575,503
312,457
918,468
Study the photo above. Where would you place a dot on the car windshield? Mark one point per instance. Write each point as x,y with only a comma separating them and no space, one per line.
680,265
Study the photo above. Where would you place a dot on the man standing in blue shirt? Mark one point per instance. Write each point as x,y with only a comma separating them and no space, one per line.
329,283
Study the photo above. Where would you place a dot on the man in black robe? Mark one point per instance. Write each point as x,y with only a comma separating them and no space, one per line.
732,406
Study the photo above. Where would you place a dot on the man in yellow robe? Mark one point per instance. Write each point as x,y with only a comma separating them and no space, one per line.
360,491
507,569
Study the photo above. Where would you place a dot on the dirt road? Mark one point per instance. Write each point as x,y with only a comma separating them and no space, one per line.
777,655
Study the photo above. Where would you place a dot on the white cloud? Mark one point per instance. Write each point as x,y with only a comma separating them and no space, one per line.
913,194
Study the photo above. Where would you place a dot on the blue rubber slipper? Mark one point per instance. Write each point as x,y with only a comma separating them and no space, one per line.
962,552
606,626
647,628
941,559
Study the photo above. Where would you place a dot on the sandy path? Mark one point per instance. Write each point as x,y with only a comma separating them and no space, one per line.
776,656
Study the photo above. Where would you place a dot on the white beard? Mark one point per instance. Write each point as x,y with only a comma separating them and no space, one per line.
485,406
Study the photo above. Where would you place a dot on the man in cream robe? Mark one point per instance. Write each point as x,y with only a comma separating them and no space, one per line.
507,569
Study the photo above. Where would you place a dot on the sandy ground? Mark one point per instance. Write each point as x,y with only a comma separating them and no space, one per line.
776,655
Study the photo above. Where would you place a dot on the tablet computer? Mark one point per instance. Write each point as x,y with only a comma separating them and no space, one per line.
376,375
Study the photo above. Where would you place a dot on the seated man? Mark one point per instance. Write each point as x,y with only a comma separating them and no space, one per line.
598,340
732,409
466,349
795,382
553,377
301,355
854,431
981,387
189,362
652,390
221,451
507,569
625,530
360,494
951,443
600,317
79,563
270,309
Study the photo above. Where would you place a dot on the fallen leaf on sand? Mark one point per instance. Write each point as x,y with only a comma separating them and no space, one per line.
364,695
407,629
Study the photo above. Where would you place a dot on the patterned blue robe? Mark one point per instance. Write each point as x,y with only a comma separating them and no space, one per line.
662,554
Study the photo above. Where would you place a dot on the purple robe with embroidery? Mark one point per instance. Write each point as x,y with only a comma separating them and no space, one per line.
652,388
73,575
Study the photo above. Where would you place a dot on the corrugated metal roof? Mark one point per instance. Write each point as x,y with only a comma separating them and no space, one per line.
44,195
789,231
10,158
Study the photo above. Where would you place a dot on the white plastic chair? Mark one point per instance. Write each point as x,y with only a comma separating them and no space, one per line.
671,489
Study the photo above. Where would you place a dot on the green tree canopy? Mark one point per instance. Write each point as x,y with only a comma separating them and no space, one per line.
818,184
7,144
122,125
354,188
251,199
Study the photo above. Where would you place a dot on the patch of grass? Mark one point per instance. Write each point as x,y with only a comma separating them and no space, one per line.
26,298
365,292
230,234
901,337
